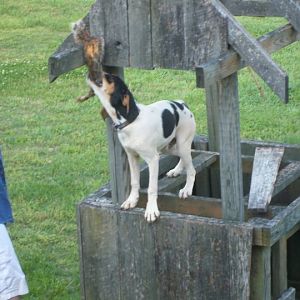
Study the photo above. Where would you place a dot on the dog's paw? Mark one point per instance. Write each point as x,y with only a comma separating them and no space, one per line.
185,192
152,213
131,202
173,173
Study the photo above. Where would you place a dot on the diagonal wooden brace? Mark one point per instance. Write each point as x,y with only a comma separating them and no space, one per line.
254,54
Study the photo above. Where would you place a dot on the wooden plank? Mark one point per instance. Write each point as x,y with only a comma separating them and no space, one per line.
99,252
177,28
268,232
254,8
139,25
109,19
294,262
232,62
289,294
260,282
291,152
193,205
265,169
119,166
224,137
170,259
230,151
254,54
200,162
279,267
290,9
286,176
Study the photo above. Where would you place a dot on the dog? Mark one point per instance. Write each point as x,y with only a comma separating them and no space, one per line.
146,131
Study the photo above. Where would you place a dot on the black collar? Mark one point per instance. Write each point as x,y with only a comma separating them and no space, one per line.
126,123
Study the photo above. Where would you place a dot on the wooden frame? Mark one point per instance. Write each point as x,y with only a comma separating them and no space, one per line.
249,254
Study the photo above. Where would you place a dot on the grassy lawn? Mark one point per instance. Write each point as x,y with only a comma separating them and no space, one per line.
55,150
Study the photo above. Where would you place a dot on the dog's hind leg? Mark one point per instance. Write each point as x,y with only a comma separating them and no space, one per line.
133,198
190,175
177,170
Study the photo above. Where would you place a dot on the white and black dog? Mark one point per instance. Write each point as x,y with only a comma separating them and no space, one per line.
146,131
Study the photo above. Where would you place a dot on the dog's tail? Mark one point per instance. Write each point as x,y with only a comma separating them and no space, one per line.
80,32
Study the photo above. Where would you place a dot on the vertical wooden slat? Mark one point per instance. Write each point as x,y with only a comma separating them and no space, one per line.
279,268
119,167
224,137
186,33
139,25
100,263
109,19
260,284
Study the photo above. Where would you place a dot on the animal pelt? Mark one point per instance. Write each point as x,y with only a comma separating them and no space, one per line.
93,48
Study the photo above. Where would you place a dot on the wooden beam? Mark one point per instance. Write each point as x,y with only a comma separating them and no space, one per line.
200,162
254,54
290,9
232,62
260,282
286,176
265,169
268,232
254,8
279,267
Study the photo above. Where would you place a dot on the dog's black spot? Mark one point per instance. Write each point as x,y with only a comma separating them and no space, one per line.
179,105
168,123
176,114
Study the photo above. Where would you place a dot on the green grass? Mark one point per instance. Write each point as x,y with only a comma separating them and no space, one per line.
55,150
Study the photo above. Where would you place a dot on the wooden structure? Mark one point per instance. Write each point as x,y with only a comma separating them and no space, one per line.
208,246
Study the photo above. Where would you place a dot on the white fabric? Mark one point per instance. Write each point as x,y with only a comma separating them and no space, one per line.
12,278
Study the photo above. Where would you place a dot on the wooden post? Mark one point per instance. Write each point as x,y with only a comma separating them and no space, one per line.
118,163
279,268
224,137
260,284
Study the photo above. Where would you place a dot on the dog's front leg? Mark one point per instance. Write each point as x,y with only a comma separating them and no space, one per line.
133,198
152,212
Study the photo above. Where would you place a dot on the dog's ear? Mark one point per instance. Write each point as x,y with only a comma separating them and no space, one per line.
126,102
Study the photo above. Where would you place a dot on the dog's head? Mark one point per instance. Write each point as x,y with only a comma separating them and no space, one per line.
120,97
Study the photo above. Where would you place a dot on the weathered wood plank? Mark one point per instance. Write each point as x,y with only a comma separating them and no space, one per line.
286,176
265,169
200,162
186,33
254,8
291,152
254,54
268,232
232,62
139,25
290,9
224,137
109,19
118,163
180,262
193,205
99,252
279,268
294,262
260,282
289,294
224,102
